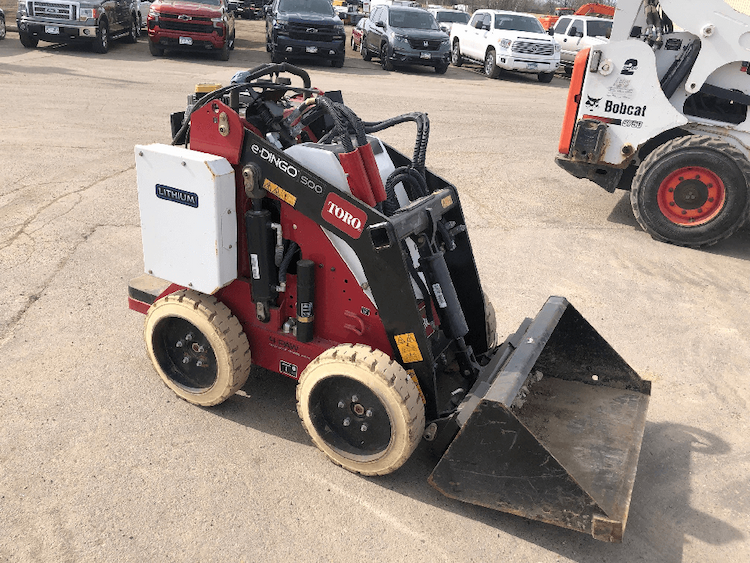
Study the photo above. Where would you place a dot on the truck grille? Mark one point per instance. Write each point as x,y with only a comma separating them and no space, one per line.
425,45
54,10
303,32
531,48
194,25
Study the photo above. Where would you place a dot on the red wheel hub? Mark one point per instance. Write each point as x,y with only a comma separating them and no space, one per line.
691,196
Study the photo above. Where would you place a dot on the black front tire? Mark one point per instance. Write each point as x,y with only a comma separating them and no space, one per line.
27,40
133,33
441,68
154,49
366,55
337,63
692,191
456,57
101,42
385,62
545,77
490,64
2,28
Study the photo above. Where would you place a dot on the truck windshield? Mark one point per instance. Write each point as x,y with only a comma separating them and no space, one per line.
452,17
599,28
412,19
518,23
322,7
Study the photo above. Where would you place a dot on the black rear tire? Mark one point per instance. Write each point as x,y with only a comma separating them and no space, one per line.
692,191
133,33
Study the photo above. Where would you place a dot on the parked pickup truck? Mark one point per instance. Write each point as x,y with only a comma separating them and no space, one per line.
505,41
574,33
197,25
73,21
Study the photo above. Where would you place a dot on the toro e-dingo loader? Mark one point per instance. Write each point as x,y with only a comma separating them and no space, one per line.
290,234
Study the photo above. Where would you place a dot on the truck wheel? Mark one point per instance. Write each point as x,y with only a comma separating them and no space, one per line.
223,54
154,49
490,64
133,33
101,41
692,191
490,322
197,347
545,77
27,40
2,28
361,409
366,55
456,58
232,40
385,62
337,63
441,68
276,57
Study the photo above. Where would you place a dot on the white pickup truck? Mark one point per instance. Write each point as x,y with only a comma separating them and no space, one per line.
505,41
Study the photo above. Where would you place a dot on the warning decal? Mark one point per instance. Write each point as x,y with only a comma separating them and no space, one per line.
279,192
413,375
408,347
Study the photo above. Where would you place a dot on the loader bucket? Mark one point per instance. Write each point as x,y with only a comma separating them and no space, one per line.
552,430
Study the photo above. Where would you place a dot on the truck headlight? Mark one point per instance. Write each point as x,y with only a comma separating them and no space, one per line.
557,47
86,13
505,43
22,10
398,38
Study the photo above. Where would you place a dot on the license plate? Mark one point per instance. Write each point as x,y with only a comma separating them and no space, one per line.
311,49
186,40
531,66
52,29
425,55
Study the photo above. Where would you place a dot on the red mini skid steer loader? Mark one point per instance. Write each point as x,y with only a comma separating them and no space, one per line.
288,233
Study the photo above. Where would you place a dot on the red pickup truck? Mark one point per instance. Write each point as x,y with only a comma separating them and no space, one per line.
205,25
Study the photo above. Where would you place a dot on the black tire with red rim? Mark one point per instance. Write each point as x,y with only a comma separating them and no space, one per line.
692,191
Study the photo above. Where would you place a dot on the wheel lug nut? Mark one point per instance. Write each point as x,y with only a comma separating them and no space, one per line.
671,189
199,363
681,179
684,212
671,203
189,336
363,428
347,421
179,344
711,199
341,404
368,414
355,399
186,360
700,210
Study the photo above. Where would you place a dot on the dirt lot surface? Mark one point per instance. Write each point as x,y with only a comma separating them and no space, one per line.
99,461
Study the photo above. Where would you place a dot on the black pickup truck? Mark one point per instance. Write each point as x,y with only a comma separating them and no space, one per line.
305,29
246,9
63,21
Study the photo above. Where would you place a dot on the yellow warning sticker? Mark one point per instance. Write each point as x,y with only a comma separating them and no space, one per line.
447,201
413,375
279,192
407,345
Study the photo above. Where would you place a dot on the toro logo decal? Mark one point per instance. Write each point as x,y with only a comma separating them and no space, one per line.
344,216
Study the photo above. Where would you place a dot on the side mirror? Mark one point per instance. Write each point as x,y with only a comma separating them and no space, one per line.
579,34
551,31
380,24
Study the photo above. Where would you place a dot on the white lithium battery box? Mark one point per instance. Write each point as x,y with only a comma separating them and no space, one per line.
188,216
